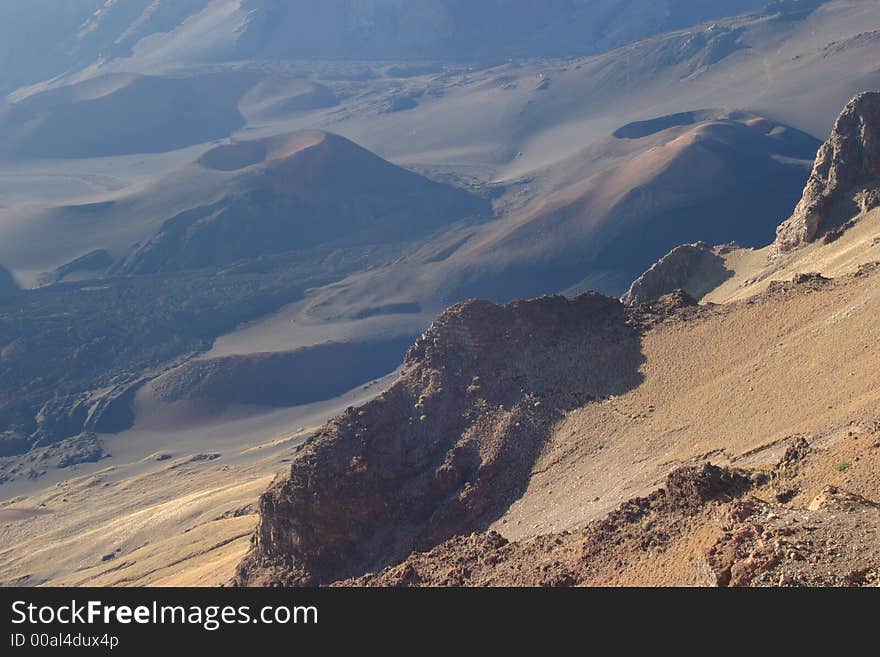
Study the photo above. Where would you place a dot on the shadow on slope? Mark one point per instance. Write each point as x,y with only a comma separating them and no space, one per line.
122,114
640,129
296,192
279,379
695,268
8,287
611,226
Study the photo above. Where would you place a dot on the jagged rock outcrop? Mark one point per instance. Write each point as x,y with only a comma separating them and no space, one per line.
763,525
695,268
449,446
830,543
845,178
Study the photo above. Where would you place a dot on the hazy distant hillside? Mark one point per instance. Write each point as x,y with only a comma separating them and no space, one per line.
121,114
224,223
463,29
675,183
297,192
687,183
45,38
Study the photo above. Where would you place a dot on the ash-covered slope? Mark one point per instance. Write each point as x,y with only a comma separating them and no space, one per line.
498,404
44,42
841,192
296,192
449,446
122,113
683,181
281,379
125,113
44,38
455,30
272,219
390,494
845,179
707,526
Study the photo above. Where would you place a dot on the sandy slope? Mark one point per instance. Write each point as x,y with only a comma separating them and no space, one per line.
525,116
172,529
174,505
730,385
737,380
740,379
146,35
753,270
519,122
787,518
783,386
733,384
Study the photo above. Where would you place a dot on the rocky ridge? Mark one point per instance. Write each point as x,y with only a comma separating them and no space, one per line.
695,268
449,446
404,491
649,524
708,525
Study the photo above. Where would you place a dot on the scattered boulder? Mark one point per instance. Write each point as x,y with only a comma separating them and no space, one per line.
809,281
831,543
84,448
640,526
694,486
677,305
832,498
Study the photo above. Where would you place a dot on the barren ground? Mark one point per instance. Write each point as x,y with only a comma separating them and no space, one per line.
731,386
